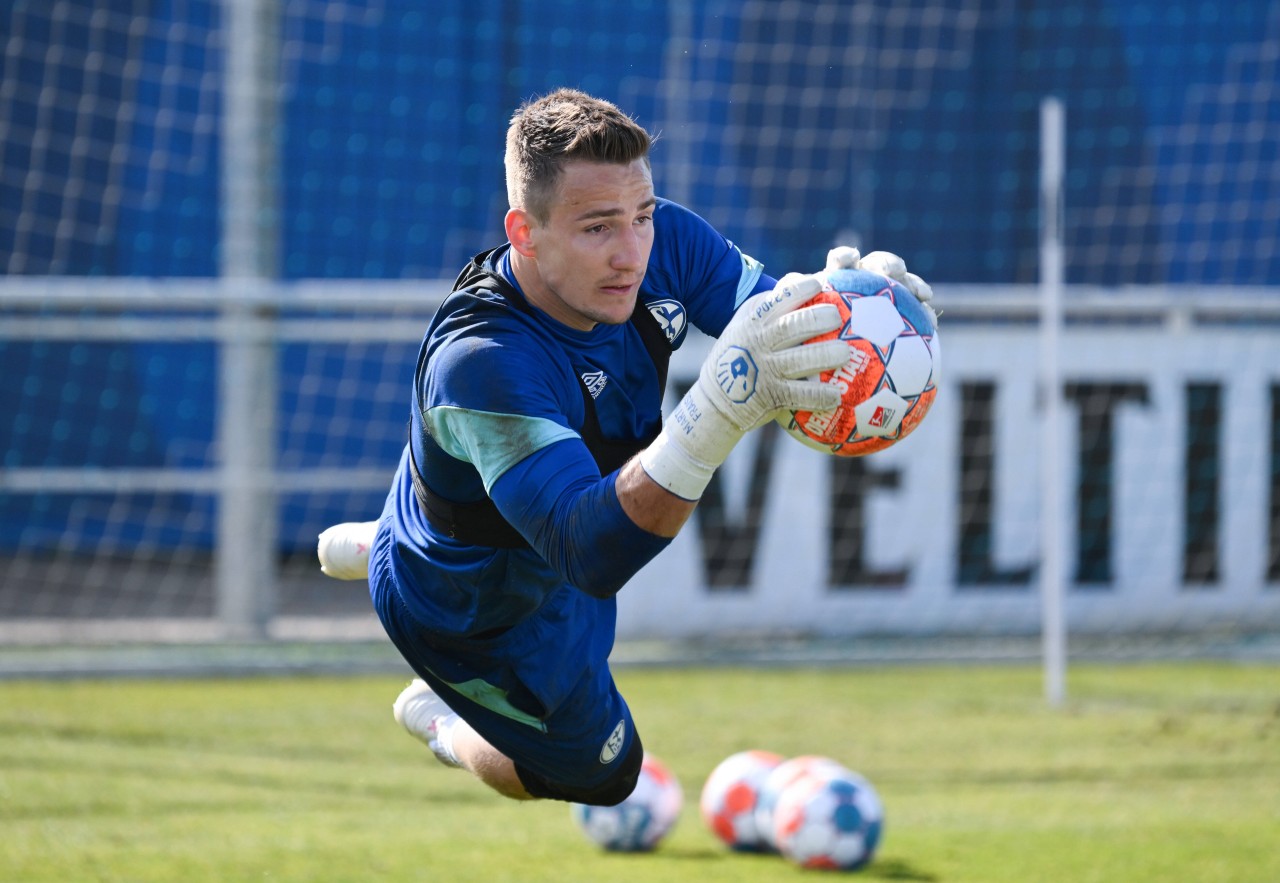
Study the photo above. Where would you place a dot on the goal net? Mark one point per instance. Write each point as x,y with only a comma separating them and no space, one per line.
791,126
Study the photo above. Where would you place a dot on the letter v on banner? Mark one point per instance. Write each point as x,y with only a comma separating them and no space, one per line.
729,539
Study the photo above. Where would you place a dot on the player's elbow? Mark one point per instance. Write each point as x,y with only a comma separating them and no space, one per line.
579,560
601,583
594,545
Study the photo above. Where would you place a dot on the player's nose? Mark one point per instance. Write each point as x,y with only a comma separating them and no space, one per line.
631,252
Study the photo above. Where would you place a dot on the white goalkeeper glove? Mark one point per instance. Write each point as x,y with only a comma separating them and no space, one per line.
759,366
886,263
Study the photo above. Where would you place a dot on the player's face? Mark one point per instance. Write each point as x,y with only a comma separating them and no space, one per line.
585,264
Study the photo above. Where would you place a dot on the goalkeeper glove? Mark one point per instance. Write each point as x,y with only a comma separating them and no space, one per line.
842,257
759,366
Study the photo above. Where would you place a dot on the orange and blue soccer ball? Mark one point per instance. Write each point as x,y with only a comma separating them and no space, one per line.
833,822
638,823
780,779
730,796
894,367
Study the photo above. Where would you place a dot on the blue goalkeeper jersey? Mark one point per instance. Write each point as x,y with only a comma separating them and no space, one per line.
499,412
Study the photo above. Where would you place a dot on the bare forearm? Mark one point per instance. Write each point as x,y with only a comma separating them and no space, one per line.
650,506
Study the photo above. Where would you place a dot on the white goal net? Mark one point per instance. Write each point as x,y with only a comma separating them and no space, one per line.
133,424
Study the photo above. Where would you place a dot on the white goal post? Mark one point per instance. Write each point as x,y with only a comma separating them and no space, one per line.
1052,274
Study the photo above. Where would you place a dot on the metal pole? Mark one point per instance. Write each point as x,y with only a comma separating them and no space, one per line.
1052,590
677,91
245,566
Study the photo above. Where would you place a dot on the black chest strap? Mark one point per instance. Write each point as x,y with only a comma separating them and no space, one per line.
480,523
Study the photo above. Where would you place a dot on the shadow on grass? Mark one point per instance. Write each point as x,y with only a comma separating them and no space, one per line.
897,869
880,869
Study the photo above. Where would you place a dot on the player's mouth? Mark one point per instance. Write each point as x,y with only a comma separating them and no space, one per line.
620,289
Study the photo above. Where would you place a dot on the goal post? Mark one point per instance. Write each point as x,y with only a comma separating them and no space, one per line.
245,571
1052,588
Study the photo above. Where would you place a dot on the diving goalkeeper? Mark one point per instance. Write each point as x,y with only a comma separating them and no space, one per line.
539,475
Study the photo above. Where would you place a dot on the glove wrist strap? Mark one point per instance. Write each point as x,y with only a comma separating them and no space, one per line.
694,441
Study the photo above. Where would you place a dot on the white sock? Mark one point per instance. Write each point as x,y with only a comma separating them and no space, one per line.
442,744
343,549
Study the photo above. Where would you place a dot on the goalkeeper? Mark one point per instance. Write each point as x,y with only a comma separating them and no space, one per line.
539,475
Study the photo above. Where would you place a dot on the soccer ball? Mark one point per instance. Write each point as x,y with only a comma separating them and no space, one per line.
783,776
730,795
891,378
644,818
833,823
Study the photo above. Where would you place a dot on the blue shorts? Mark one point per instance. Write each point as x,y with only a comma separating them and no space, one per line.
541,692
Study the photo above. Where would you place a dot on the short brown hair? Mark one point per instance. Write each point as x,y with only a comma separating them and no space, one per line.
565,125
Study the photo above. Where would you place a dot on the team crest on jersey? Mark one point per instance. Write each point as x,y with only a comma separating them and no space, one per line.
671,318
595,382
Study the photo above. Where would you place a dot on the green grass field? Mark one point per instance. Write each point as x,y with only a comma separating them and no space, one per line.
1151,773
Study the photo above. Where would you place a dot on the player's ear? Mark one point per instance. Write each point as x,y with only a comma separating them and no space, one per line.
520,232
